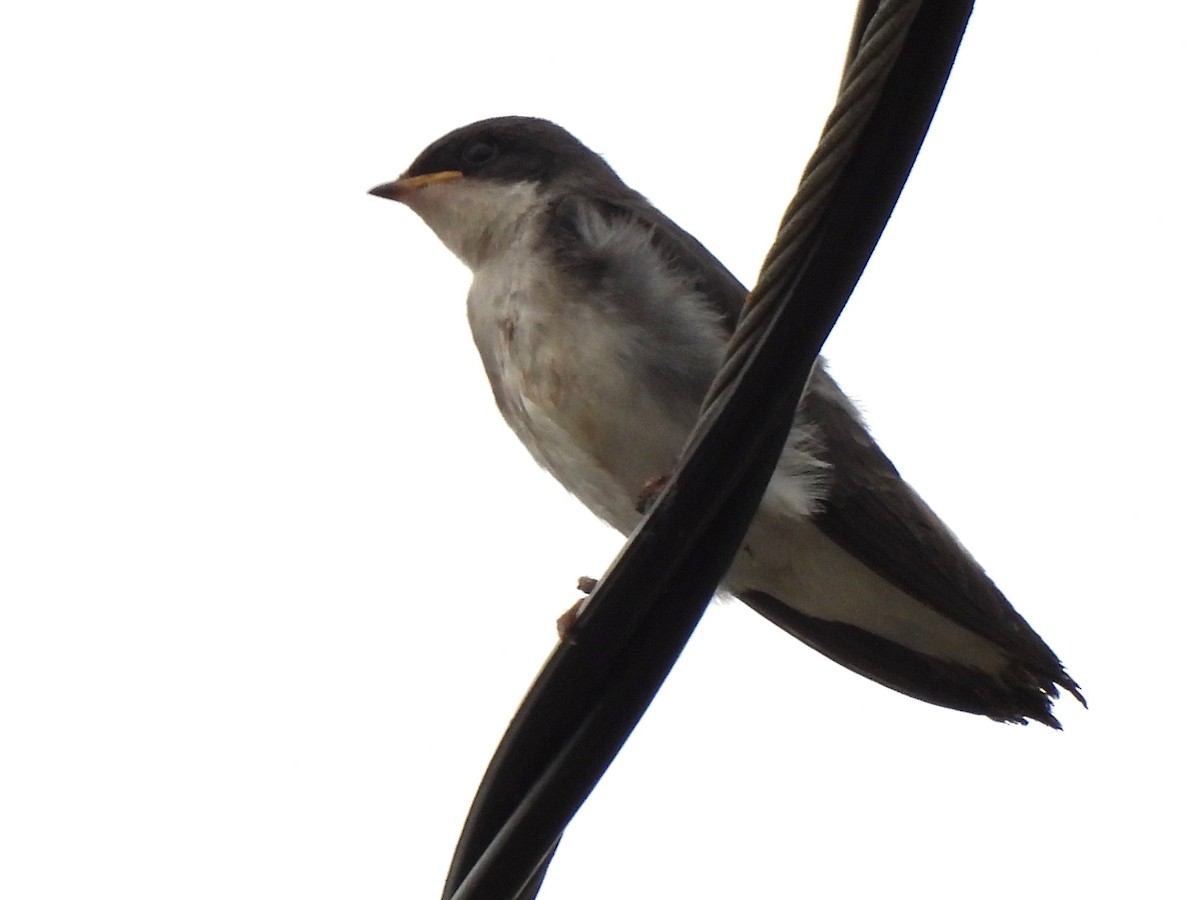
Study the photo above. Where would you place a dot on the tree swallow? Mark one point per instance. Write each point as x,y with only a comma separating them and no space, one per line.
601,323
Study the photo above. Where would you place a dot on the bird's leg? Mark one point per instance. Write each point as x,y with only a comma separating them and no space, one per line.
650,491
566,622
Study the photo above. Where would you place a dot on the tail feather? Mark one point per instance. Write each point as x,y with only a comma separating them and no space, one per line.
1019,694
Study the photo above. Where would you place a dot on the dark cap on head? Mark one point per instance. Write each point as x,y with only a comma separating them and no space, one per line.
512,149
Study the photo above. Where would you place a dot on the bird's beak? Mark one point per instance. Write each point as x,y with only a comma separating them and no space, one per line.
405,185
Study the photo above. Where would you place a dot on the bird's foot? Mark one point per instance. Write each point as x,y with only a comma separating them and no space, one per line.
650,491
566,622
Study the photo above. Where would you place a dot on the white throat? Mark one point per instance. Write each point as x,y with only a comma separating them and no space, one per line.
477,220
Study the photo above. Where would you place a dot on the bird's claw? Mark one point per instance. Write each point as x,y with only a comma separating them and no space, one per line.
650,491
566,622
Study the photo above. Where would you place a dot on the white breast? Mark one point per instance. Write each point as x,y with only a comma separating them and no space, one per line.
555,363
601,379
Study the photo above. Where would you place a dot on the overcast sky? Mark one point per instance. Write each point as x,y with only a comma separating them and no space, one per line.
274,574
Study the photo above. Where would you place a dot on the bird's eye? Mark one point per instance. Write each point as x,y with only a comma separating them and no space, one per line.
480,152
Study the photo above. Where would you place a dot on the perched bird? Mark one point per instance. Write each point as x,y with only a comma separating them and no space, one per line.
601,323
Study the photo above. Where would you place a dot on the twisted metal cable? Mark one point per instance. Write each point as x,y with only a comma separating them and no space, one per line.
862,84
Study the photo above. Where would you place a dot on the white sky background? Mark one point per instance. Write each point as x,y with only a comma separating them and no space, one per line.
274,574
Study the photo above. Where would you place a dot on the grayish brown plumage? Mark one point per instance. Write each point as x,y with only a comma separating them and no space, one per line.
600,324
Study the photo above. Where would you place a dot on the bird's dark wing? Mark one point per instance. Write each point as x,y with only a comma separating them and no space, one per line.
872,513
684,253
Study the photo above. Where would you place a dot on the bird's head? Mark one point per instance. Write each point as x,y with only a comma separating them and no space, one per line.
477,184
